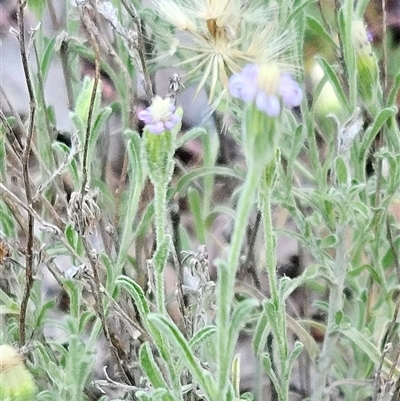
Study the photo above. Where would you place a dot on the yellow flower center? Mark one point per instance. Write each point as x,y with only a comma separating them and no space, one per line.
268,78
161,108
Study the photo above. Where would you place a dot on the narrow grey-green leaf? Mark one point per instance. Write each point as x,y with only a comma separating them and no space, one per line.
373,130
151,369
202,335
137,294
334,80
189,177
161,255
202,376
238,319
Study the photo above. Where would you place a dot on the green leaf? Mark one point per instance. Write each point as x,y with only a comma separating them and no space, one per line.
392,98
341,170
135,154
137,294
266,360
190,135
374,273
84,99
334,80
37,6
145,222
3,155
73,290
202,376
185,181
72,236
369,349
79,125
196,208
110,269
389,257
150,368
239,317
99,123
144,395
161,255
298,347
202,335
329,241
297,10
338,317
46,59
304,336
361,8
152,395
261,332
320,32
43,311
373,130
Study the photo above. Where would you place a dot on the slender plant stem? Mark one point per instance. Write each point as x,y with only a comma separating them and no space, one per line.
335,306
26,178
279,329
265,197
160,208
226,276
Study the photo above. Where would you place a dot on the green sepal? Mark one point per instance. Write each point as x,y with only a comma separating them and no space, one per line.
259,136
160,150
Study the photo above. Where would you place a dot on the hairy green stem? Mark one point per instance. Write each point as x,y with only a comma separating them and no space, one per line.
226,276
160,209
279,328
335,306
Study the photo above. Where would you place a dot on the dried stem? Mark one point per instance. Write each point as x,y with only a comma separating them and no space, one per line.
25,173
96,288
141,48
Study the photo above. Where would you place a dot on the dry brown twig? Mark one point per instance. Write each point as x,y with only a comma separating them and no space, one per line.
25,173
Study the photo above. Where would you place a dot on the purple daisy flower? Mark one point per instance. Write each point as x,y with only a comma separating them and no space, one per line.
160,116
245,85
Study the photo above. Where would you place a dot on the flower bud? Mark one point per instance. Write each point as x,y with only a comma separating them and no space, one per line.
162,123
367,66
16,382
327,101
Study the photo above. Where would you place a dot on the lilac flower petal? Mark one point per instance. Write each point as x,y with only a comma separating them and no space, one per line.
268,104
243,85
156,128
235,84
248,92
169,125
250,71
175,118
145,116
290,91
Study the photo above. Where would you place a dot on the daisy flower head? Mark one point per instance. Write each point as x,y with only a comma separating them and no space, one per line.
215,38
267,87
160,116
